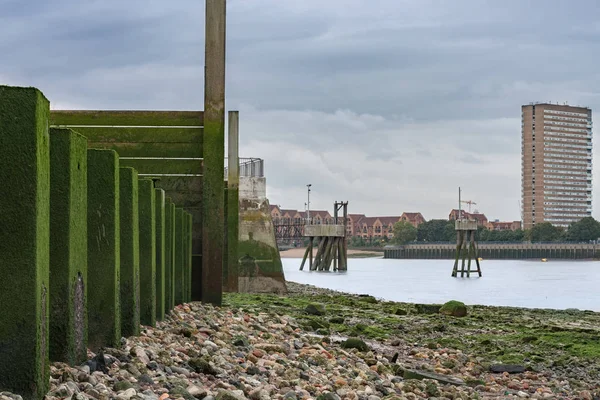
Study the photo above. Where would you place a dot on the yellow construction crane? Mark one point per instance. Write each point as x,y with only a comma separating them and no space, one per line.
469,203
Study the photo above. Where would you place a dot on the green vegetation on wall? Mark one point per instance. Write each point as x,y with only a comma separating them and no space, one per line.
24,241
68,252
179,271
147,221
169,254
130,252
104,257
160,253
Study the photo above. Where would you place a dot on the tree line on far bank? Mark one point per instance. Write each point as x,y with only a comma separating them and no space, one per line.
440,230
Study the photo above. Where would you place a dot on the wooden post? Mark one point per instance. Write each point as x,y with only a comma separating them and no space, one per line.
129,273
211,275
471,239
458,239
233,183
310,254
24,242
304,258
319,254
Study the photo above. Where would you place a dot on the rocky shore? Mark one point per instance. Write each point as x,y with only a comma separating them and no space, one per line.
296,347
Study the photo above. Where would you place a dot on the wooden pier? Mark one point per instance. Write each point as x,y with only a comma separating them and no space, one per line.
466,248
331,243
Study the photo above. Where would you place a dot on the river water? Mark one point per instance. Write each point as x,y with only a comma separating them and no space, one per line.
532,284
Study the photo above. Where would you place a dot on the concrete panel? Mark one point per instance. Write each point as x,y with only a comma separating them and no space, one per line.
169,254
24,241
68,250
147,252
179,281
160,253
104,258
130,252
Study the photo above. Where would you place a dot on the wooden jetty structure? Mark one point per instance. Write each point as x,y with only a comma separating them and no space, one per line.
466,245
332,246
466,248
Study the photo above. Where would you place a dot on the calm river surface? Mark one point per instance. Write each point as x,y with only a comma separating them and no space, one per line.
535,284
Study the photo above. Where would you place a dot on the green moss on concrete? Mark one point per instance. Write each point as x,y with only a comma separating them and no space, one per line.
266,256
130,252
186,281
68,250
169,254
104,257
133,135
164,166
151,149
24,241
147,252
179,281
160,253
131,118
188,255
232,230
213,197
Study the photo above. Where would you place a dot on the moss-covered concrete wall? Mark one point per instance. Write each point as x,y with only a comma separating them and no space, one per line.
68,250
130,252
179,264
24,241
169,254
104,258
260,267
188,255
160,253
147,215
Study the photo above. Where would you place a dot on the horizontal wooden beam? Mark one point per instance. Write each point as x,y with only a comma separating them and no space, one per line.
175,150
129,134
161,166
126,118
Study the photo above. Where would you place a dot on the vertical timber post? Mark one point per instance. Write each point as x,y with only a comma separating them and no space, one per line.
214,154
130,252
178,281
186,274
160,253
147,211
169,253
24,245
68,250
189,255
104,249
233,183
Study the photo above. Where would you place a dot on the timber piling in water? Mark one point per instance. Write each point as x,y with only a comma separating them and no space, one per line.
331,243
466,248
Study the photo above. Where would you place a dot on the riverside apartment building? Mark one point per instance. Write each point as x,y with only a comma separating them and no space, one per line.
556,164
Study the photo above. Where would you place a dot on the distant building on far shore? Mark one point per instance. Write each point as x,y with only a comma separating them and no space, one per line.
556,164
480,218
503,226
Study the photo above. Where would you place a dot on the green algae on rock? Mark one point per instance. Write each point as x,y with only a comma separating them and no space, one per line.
454,308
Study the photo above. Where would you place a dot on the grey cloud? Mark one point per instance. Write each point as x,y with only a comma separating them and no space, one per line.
387,106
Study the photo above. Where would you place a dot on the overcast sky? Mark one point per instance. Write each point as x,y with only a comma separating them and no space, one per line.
388,104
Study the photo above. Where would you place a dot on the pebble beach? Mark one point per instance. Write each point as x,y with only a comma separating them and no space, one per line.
296,347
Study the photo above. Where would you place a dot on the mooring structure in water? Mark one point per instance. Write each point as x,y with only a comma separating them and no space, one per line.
331,243
466,245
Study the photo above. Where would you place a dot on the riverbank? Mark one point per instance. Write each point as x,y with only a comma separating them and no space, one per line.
298,252
268,347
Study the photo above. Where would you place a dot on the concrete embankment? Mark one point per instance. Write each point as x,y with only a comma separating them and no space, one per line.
509,251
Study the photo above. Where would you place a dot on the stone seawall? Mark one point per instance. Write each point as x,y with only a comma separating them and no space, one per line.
516,251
